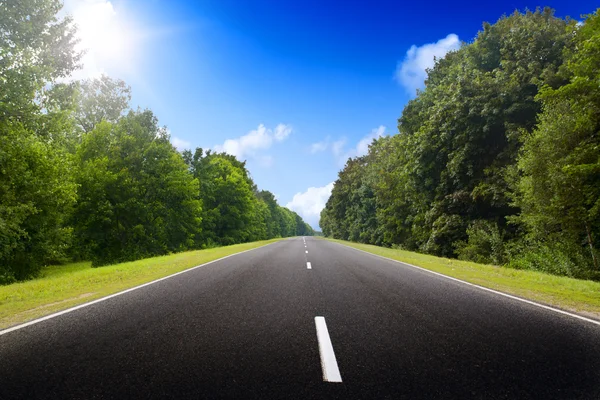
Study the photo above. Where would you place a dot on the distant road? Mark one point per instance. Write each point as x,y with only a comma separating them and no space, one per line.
263,325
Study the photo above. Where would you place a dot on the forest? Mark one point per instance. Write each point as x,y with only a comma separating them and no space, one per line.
83,176
496,160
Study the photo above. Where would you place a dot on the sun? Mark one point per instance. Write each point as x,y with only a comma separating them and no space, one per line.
109,39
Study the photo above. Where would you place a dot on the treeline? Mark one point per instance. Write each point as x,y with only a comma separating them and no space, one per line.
84,177
497,160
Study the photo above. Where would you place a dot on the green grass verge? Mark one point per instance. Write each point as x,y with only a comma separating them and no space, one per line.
576,295
64,286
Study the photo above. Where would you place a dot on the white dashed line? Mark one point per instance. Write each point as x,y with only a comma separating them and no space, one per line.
308,266
306,251
331,372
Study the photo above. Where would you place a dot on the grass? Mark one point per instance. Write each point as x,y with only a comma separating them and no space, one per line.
571,294
64,286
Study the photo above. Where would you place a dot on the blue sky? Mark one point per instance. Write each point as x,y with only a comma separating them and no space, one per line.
293,87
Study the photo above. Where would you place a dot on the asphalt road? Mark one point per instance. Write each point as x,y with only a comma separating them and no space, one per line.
244,328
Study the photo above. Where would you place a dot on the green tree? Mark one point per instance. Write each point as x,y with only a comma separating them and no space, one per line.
558,188
36,187
227,197
288,227
36,48
447,167
100,99
275,221
477,103
36,190
137,198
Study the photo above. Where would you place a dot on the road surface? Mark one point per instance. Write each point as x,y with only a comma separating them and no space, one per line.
267,324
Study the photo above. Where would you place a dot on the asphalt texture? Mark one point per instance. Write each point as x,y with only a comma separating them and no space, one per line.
244,328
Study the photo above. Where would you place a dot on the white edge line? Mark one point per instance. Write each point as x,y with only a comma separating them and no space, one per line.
331,372
308,266
68,310
481,287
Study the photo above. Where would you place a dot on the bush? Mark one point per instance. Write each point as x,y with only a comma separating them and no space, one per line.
485,244
553,256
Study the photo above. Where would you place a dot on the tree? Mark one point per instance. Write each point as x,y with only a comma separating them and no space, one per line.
100,99
275,221
466,132
36,186
497,157
137,198
36,48
36,191
227,197
558,188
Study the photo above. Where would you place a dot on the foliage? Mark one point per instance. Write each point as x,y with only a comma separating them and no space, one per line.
558,188
102,99
36,48
36,188
235,211
136,197
500,148
485,244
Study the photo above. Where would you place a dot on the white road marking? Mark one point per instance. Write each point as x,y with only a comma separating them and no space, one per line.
308,266
306,251
68,310
533,303
331,372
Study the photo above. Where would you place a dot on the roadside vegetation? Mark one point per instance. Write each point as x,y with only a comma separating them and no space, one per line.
83,176
577,295
59,287
496,161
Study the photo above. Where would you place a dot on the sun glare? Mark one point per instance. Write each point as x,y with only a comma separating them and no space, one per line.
110,39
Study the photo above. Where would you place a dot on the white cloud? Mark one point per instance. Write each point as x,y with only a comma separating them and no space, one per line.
180,144
109,39
361,149
411,72
310,203
250,145
282,131
337,147
320,146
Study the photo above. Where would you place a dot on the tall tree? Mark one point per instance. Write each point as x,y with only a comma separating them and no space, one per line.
100,99
446,169
36,48
137,198
275,221
36,188
559,184
227,197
